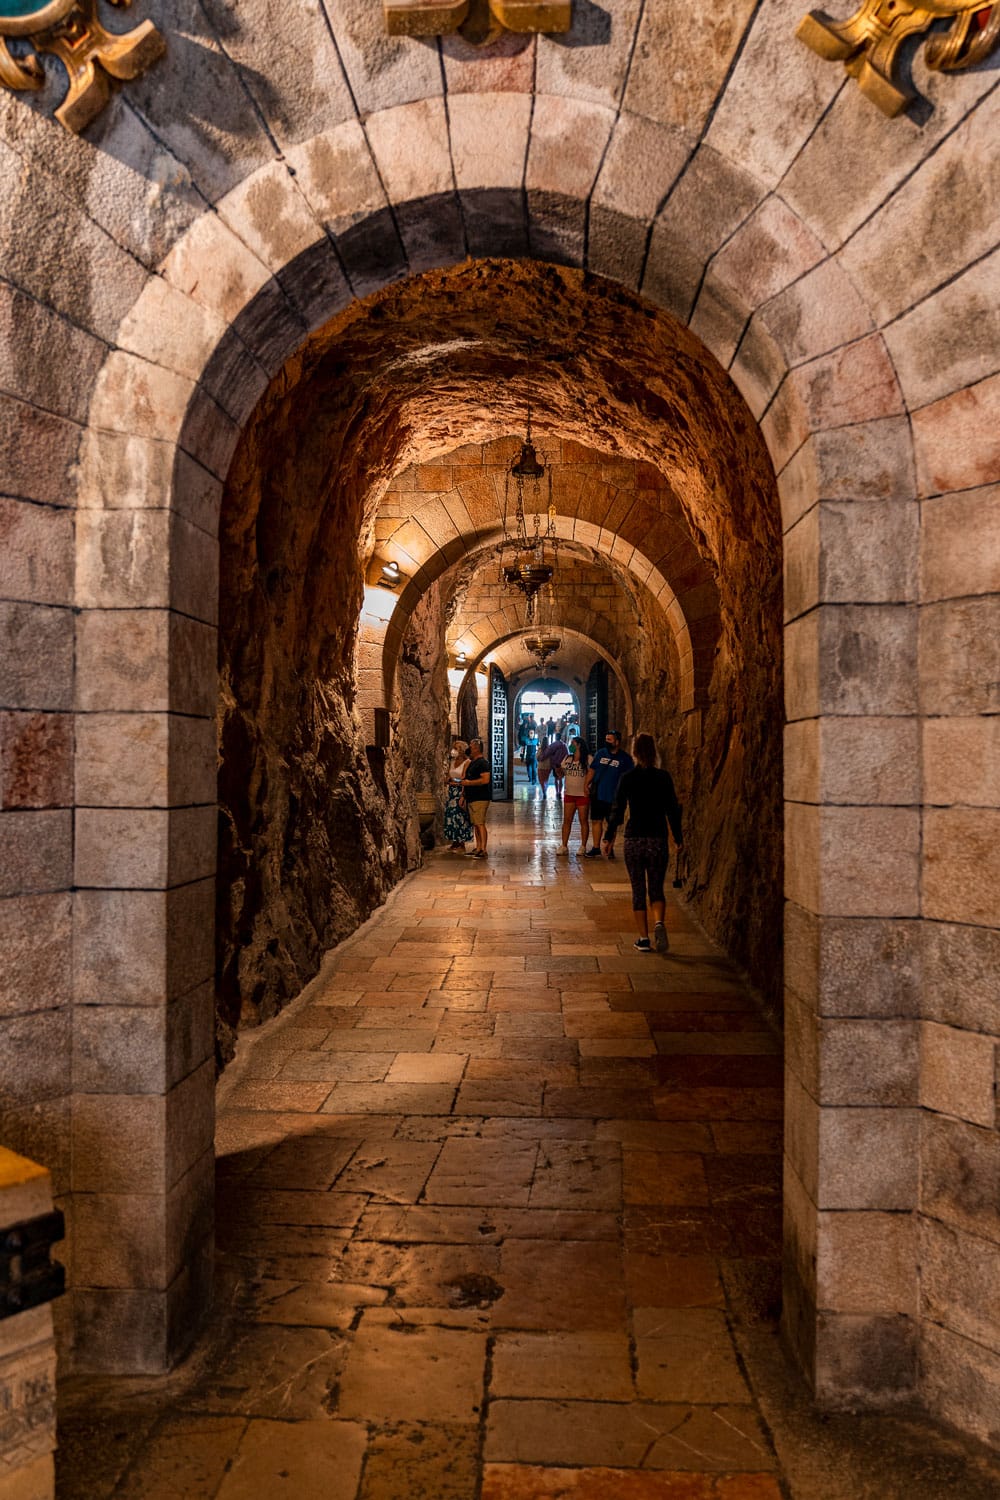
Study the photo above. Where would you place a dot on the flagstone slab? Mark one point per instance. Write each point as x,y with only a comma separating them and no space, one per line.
579,1366
639,1434
408,1373
492,1173
499,1097
404,1098
394,1170
317,1460
571,1174
188,1455
336,1067
667,1177
583,1288
686,1354
422,1067
422,1462
664,1280
421,1040
285,1374
309,1305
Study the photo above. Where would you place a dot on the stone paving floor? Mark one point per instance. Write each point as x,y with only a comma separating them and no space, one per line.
496,1198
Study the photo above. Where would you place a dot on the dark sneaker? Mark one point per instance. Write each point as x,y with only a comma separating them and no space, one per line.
660,938
611,854
592,854
643,945
479,854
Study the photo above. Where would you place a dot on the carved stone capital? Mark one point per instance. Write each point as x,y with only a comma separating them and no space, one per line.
868,42
91,55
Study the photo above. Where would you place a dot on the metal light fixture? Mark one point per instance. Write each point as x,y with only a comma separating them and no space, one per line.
529,576
542,647
530,569
390,576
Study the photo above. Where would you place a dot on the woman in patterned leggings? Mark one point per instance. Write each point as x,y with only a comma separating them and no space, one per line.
647,795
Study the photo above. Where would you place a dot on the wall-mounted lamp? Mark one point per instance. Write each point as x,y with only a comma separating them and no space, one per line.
382,574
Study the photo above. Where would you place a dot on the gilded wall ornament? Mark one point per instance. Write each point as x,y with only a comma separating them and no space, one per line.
477,21
868,42
91,55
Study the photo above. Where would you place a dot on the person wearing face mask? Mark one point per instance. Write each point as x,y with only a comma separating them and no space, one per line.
606,770
457,828
575,801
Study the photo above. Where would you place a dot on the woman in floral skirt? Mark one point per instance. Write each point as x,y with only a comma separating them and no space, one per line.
457,828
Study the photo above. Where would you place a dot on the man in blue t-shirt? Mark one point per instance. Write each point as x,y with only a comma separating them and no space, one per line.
606,770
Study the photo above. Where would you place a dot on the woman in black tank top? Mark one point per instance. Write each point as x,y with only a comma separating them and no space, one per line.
646,797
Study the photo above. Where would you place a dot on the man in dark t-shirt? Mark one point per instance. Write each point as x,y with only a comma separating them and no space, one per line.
478,793
606,770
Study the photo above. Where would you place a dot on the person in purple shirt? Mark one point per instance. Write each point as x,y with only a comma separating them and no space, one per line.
557,753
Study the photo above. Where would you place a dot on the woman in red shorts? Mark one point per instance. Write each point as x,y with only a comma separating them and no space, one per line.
575,799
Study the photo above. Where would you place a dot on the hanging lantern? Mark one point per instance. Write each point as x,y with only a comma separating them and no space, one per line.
542,647
530,569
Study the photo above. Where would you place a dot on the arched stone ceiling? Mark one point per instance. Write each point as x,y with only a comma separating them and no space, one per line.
456,357
594,595
590,599
628,569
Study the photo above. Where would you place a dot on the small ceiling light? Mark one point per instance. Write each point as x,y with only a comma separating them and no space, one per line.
390,577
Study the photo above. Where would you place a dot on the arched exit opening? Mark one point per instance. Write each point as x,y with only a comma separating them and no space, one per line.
549,701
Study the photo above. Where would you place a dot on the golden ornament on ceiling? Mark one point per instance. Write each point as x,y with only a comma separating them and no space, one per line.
91,55
477,21
868,42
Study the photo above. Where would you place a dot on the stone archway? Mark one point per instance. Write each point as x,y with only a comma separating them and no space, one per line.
635,523
512,658
821,431
384,630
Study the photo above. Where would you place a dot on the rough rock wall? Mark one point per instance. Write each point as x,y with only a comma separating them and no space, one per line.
422,683
729,761
314,827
